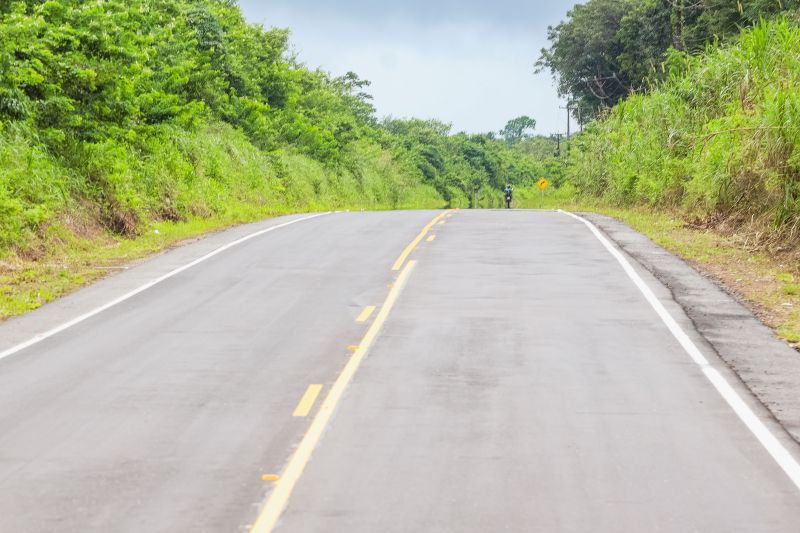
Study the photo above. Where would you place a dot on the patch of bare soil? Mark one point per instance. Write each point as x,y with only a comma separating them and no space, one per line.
757,277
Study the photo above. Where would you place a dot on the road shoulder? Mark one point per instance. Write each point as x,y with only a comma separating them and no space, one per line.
768,366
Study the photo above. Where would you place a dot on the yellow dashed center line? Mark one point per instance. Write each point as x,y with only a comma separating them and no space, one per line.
431,238
307,401
410,248
279,497
366,313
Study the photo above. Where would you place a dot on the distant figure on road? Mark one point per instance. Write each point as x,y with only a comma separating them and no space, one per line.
509,190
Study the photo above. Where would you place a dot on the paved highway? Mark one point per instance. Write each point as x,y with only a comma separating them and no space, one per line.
398,371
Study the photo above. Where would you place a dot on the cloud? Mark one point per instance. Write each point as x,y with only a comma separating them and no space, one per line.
504,13
469,63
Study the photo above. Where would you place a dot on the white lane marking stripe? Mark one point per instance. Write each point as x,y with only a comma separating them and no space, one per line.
779,453
77,320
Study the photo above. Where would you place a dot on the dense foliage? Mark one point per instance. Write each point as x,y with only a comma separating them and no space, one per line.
694,105
607,49
720,137
517,129
117,113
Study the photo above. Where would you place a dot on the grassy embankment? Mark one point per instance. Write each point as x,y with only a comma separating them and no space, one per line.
769,282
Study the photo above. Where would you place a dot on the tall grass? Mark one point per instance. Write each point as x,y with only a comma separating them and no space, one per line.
720,138
176,175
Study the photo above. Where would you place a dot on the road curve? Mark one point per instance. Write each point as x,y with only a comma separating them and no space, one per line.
506,375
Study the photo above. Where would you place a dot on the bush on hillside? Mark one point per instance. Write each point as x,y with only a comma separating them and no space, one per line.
721,136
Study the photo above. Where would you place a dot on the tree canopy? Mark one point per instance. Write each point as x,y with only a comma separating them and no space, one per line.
607,49
517,129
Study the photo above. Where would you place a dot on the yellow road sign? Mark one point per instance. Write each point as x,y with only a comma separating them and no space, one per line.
543,184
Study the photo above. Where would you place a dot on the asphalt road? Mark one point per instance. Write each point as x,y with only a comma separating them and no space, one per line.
511,377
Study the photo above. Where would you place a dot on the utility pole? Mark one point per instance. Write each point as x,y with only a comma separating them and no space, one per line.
568,107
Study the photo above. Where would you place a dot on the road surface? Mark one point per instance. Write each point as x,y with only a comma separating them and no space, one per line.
502,372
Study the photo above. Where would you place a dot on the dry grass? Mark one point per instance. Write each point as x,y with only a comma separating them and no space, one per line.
766,279
72,262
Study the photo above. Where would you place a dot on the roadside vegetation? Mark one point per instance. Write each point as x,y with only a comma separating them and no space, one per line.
690,113
126,126
719,138
692,134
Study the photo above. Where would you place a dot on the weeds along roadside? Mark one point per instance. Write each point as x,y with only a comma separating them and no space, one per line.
719,140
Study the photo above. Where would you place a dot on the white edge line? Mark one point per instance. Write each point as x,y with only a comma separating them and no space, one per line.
77,320
778,451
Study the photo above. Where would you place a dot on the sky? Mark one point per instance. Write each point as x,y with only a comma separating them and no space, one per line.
466,62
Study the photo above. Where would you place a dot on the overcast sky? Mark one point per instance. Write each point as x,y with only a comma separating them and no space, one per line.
467,62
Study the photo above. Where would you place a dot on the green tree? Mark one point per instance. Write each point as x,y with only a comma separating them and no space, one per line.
607,49
585,51
645,33
517,129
